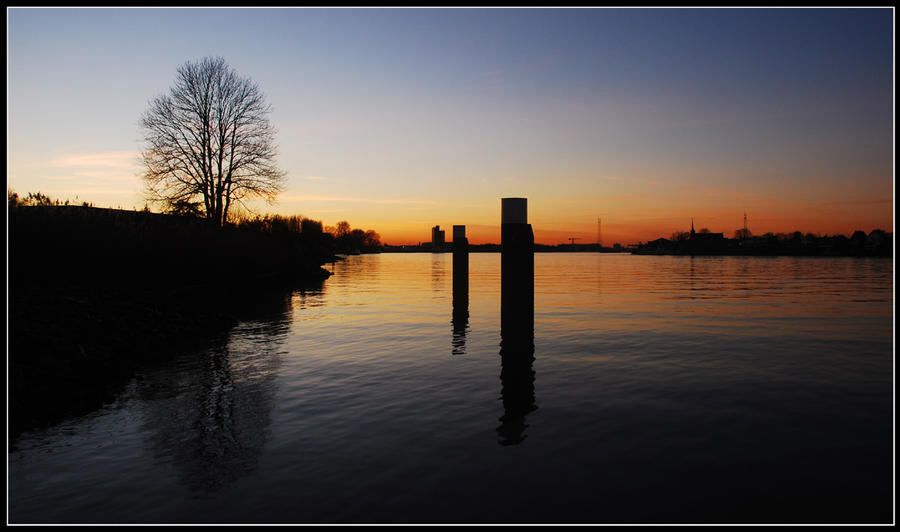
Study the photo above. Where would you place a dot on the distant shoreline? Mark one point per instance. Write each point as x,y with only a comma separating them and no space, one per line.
877,243
496,248
497,251
646,253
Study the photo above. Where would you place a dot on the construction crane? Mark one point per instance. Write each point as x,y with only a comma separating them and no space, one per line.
572,239
599,234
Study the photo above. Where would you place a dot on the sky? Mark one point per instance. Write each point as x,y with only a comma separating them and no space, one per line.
397,120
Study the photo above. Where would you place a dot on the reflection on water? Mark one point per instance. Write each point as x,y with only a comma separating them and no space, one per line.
710,390
692,289
308,297
516,369
460,318
210,417
438,272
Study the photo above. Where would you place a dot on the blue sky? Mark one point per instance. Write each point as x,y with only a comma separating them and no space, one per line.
398,119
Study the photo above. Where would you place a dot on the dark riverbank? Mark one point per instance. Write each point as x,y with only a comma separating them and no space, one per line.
96,293
877,243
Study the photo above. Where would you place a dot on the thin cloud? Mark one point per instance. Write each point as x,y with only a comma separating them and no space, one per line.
116,159
860,202
598,199
83,194
353,199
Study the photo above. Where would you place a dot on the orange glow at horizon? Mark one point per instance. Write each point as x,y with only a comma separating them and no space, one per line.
624,220
632,209
634,230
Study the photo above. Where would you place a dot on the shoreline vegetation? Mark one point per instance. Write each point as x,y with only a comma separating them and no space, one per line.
878,243
97,293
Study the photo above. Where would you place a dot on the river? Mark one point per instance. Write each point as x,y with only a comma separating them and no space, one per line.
662,389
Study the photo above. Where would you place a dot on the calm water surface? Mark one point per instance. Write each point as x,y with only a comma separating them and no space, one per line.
663,389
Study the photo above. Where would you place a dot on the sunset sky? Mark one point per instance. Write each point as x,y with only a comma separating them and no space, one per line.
400,119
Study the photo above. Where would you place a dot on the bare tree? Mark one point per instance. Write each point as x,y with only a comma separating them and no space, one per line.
210,140
342,229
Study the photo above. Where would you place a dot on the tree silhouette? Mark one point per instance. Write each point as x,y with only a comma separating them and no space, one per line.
210,142
742,234
342,229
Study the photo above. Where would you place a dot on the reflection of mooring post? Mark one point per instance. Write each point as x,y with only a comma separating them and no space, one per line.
516,272
460,288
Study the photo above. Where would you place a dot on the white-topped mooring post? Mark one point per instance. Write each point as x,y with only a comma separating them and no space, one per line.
514,210
459,233
516,274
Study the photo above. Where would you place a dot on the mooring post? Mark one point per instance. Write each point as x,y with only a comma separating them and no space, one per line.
516,320
460,255
516,272
460,288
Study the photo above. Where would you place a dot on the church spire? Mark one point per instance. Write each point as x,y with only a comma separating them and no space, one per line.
692,226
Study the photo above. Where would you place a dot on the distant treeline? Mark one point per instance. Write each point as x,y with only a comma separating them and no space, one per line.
36,199
877,243
341,237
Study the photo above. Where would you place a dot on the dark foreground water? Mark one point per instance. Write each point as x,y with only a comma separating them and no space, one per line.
663,389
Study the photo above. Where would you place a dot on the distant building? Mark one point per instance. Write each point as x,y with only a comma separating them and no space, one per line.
437,237
660,244
705,242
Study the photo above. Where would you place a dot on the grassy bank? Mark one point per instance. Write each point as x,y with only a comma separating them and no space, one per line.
96,293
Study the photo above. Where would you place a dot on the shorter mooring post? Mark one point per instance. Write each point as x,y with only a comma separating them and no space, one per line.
460,254
460,288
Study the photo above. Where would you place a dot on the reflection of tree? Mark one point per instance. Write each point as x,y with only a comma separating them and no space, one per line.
355,270
309,297
208,413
